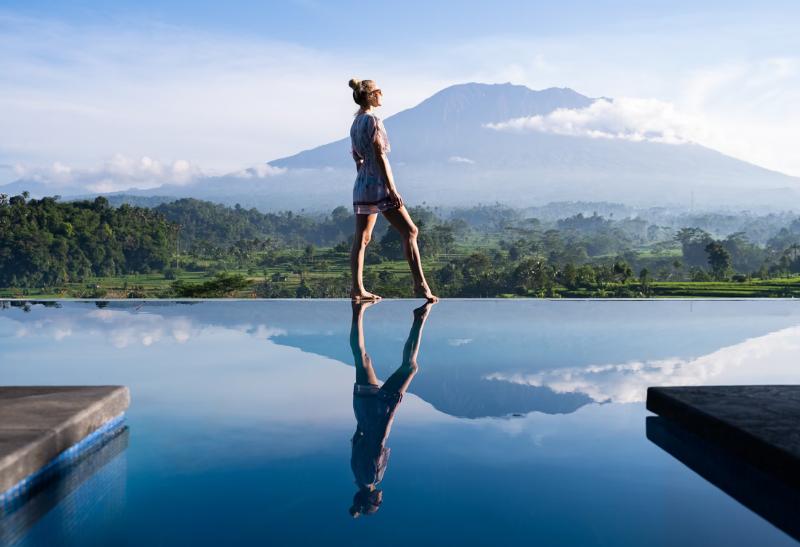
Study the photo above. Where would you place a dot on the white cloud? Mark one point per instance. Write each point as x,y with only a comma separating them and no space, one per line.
766,359
260,171
122,328
117,173
123,173
264,332
624,118
460,159
741,80
60,334
79,93
753,107
456,342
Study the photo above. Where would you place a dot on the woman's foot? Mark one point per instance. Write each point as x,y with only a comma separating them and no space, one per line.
421,313
362,295
425,292
360,306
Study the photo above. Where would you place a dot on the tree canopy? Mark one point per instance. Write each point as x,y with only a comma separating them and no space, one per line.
46,242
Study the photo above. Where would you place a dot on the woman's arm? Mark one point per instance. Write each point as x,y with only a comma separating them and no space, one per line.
358,159
386,172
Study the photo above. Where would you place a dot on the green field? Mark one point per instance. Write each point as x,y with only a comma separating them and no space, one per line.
156,285
327,265
329,268
195,249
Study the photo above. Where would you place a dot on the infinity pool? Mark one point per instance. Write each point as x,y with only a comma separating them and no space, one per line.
525,423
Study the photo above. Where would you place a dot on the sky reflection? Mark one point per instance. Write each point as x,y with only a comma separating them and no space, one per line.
768,359
242,418
540,356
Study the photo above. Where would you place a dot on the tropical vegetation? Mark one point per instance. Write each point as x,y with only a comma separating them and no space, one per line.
197,249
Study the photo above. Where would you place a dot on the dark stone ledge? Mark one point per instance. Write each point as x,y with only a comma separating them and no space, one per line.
37,423
760,424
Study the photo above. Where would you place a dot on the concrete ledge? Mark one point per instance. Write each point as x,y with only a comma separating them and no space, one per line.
39,423
760,424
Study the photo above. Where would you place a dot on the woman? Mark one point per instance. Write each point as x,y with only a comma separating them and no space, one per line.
375,405
374,192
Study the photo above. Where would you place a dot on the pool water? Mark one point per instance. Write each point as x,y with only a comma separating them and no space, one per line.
524,424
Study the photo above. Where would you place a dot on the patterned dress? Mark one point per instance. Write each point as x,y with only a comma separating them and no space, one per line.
370,191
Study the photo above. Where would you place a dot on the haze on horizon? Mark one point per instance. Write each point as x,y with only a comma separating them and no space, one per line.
166,91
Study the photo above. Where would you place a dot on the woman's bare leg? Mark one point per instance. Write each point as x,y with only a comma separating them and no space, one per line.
401,221
365,374
362,236
399,380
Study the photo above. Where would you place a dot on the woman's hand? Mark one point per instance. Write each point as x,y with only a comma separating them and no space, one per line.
395,197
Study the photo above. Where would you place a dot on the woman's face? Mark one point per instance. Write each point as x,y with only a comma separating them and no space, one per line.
374,97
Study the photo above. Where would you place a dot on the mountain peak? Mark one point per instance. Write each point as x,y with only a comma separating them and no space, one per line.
480,103
444,153
505,87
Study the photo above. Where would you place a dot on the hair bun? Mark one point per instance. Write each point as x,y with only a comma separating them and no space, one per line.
354,83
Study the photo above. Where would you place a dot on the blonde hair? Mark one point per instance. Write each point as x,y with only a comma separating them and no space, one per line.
361,89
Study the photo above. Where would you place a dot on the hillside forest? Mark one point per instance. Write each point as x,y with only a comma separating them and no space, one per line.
191,248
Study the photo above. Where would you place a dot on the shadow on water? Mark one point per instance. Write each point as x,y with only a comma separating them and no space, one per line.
374,406
18,516
759,491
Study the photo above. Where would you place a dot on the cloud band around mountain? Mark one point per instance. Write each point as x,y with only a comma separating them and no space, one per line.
121,173
630,119
118,173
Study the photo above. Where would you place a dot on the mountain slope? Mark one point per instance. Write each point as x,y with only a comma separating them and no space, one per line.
435,129
442,152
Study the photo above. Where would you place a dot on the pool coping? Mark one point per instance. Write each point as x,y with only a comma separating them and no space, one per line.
40,423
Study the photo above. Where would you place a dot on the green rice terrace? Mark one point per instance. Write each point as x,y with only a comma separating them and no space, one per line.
390,280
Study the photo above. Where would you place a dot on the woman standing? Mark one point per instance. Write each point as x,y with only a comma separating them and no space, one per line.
374,192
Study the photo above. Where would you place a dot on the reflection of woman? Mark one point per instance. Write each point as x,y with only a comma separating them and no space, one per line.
374,406
374,192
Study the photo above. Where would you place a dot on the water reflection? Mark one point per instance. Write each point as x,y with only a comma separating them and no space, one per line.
232,448
765,359
374,406
756,489
490,358
62,495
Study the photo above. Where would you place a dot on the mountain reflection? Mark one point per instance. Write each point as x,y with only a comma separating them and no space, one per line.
374,406
484,358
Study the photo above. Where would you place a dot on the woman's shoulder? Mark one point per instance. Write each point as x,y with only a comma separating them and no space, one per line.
366,121
367,116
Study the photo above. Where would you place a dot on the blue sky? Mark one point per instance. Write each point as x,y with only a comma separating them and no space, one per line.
210,88
325,25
